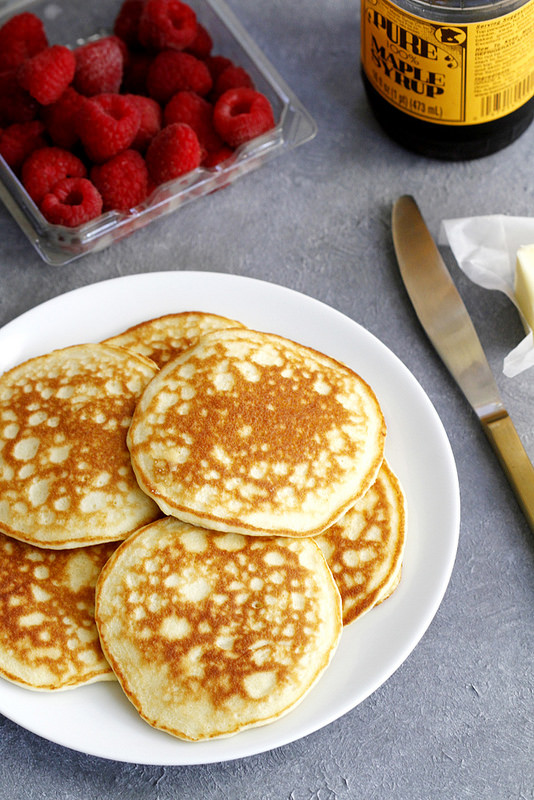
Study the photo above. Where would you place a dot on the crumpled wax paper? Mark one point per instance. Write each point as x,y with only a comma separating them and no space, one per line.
486,250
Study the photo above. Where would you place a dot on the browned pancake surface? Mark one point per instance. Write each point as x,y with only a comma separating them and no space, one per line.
211,633
253,433
65,471
364,548
48,636
164,338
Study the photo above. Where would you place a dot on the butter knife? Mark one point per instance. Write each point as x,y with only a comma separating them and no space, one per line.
446,321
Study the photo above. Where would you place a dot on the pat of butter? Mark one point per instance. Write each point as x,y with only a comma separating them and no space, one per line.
524,283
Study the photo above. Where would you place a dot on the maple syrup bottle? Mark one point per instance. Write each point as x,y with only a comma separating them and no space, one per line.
452,79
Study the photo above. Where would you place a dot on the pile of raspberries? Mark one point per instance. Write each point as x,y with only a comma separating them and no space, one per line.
99,127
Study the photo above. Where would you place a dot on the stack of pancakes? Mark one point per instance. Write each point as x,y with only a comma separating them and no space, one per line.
194,508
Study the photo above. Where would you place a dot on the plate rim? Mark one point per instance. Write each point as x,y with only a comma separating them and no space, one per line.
246,745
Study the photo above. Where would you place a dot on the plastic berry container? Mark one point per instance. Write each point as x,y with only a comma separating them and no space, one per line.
74,22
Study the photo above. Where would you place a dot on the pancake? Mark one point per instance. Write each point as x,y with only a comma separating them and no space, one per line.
65,473
164,338
364,548
253,433
211,633
48,636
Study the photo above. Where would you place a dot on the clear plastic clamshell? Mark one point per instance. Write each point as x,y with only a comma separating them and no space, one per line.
74,22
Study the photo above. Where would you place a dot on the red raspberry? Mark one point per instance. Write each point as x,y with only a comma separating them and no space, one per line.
167,24
107,124
16,105
202,43
99,67
231,78
19,140
242,114
46,75
127,21
196,112
216,157
45,167
122,181
173,152
60,118
72,202
217,64
136,69
173,71
151,119
21,37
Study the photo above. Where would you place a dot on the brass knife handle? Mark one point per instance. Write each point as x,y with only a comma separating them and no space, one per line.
514,460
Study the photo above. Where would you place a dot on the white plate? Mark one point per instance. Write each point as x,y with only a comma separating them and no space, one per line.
97,719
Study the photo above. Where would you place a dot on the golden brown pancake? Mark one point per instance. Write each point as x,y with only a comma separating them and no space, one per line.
48,636
164,338
364,548
252,433
65,473
211,633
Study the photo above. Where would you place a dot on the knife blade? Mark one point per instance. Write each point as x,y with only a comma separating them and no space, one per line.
446,321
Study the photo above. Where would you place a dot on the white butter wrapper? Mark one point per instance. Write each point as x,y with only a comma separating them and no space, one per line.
486,250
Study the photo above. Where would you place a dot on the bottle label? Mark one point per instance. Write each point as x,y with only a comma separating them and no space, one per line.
448,73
